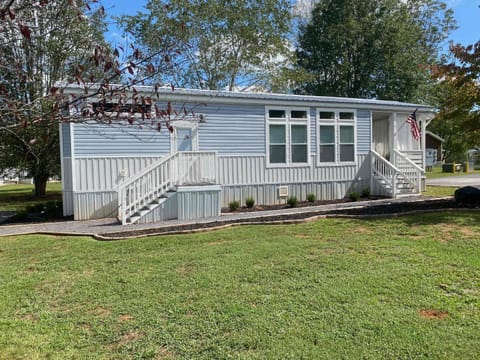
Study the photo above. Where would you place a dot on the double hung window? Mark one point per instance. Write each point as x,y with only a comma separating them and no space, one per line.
287,139
336,136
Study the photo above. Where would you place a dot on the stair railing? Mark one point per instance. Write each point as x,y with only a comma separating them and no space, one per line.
385,170
180,168
146,186
410,170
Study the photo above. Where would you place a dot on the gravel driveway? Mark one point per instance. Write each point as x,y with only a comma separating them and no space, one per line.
456,181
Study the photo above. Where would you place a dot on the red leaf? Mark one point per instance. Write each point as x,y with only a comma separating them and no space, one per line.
25,30
11,14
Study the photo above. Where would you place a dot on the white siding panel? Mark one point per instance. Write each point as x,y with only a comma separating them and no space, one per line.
95,205
244,170
364,131
326,182
104,174
67,187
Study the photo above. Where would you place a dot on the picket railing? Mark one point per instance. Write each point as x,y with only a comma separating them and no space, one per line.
410,170
385,170
181,168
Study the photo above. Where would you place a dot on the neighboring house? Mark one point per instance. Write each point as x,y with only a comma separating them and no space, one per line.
239,145
435,142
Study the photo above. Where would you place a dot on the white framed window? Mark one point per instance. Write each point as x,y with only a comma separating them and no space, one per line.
336,136
287,136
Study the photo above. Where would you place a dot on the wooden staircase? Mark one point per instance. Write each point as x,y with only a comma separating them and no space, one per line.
156,184
401,178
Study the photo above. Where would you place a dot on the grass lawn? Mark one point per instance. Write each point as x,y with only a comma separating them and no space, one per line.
439,191
437,173
19,196
399,288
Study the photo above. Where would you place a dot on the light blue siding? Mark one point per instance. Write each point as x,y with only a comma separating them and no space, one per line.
363,131
233,129
92,139
66,141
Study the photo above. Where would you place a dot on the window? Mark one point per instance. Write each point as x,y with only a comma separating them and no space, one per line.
287,136
347,143
278,145
336,136
327,143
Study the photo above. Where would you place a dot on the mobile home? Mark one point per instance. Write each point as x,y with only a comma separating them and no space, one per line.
228,146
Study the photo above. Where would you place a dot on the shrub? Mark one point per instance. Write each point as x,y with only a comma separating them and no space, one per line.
353,196
366,193
311,197
292,201
233,205
249,202
21,215
51,206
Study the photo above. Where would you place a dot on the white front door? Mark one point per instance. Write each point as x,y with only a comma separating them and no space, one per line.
185,137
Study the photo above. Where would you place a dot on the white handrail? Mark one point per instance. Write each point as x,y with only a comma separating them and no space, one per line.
385,169
155,180
411,171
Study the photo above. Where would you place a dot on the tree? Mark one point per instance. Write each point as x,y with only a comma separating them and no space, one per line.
458,96
44,47
41,44
238,43
372,49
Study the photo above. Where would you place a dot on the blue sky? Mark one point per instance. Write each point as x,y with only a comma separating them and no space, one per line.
467,14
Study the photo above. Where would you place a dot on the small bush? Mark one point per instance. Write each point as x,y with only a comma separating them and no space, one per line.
20,215
366,193
249,202
233,205
353,196
311,197
51,206
292,201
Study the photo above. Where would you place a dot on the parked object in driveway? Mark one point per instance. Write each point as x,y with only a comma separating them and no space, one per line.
468,195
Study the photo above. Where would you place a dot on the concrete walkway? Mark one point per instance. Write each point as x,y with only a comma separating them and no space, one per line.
456,181
97,228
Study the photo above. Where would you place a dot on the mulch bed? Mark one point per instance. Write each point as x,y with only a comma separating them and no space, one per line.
366,211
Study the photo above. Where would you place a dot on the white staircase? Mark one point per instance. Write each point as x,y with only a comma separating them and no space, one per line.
401,178
151,188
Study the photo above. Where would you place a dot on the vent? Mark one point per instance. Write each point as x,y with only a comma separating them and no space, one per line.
283,191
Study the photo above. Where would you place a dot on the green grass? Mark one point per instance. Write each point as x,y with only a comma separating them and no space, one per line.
19,197
437,173
402,288
439,190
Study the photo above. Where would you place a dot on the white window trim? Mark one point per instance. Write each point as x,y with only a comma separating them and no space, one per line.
336,122
288,122
184,124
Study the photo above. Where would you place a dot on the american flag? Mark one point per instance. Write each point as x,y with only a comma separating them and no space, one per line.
412,121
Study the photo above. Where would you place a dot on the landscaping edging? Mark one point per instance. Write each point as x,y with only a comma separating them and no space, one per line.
369,211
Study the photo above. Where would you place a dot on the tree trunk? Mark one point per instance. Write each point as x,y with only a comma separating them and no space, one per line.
40,183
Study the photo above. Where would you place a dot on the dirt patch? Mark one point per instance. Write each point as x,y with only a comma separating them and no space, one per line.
125,317
433,314
130,336
30,318
100,312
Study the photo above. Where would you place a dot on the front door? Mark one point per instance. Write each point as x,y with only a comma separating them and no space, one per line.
185,137
381,134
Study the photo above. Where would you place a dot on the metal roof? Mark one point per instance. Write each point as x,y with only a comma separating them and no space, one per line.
169,93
